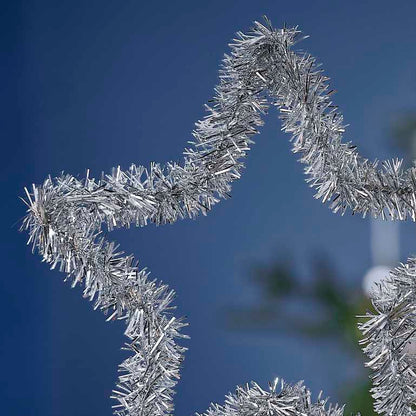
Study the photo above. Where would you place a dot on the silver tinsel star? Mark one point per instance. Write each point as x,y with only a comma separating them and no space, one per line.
66,216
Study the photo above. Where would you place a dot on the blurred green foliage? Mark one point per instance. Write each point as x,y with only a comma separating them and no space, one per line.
337,306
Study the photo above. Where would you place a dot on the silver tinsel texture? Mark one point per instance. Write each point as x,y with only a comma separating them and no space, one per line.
66,216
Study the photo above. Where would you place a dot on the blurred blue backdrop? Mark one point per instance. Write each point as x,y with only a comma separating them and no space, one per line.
100,83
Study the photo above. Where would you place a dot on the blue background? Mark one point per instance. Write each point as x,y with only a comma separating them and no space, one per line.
100,83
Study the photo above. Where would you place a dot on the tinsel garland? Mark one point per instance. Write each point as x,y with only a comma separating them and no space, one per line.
66,216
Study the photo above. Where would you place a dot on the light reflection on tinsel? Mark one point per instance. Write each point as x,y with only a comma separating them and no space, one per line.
66,215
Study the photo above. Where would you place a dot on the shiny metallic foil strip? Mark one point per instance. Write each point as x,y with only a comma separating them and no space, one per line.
66,215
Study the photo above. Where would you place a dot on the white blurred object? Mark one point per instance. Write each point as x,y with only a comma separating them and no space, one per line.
384,252
384,242
375,275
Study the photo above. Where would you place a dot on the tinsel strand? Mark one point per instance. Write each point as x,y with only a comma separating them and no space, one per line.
66,216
